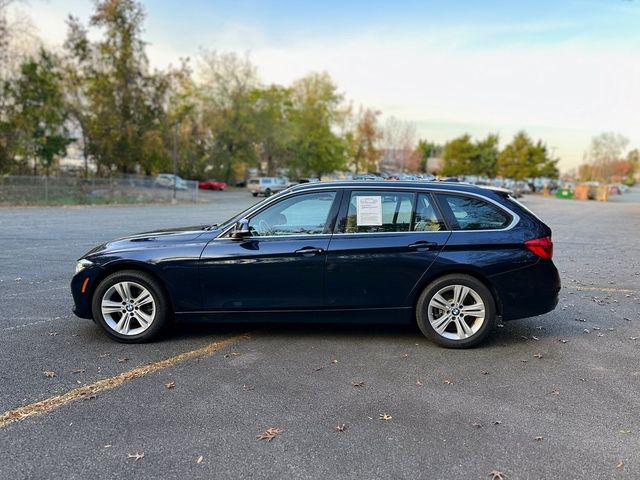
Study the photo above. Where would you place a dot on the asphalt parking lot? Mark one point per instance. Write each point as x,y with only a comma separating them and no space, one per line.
555,396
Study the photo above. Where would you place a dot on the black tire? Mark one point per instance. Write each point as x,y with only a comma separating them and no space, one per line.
267,192
479,288
255,194
163,310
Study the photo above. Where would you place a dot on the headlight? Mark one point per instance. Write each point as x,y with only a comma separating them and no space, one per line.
82,264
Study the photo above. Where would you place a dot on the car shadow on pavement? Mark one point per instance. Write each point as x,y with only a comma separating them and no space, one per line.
506,334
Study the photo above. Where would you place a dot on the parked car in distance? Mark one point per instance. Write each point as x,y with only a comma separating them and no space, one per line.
167,180
451,258
212,185
266,185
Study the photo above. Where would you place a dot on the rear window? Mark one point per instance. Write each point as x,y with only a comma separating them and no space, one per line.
254,181
471,213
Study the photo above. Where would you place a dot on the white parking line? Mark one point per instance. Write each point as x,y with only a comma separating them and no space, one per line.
34,321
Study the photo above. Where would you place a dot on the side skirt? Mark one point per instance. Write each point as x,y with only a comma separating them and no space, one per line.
393,315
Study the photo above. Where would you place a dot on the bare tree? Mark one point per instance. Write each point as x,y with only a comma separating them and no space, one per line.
399,140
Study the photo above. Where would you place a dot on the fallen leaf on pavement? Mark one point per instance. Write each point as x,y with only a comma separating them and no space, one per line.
79,370
385,416
497,475
498,422
358,384
247,387
537,355
625,431
620,464
484,372
334,361
419,383
340,428
49,374
53,334
405,355
232,354
200,459
538,439
170,385
448,382
477,425
555,392
136,455
269,434
562,340
123,360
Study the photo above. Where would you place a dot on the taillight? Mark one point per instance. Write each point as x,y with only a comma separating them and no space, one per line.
542,247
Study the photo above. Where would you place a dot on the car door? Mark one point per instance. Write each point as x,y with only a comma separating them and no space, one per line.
385,241
281,265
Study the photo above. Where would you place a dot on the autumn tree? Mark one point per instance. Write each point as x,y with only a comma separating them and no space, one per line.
363,139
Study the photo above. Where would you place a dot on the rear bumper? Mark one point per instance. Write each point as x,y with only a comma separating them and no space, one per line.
529,291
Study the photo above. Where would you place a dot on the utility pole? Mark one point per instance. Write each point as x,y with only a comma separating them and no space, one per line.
175,160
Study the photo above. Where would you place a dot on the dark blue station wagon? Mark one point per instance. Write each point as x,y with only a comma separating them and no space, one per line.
453,258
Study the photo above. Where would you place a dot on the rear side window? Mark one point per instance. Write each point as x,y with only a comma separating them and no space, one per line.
427,218
470,213
379,211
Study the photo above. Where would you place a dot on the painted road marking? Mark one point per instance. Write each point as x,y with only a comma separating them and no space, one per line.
49,404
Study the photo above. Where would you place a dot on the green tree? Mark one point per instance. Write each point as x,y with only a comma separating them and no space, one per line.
227,90
274,130
461,156
317,110
426,150
457,156
523,159
116,101
39,117
485,161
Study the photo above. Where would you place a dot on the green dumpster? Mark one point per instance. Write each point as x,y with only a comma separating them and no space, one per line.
564,193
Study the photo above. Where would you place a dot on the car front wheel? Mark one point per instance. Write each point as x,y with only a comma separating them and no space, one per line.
130,306
456,311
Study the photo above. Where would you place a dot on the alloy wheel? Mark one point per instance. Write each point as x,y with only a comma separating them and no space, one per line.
456,312
128,308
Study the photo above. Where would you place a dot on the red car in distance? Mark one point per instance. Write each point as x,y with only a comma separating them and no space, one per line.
212,185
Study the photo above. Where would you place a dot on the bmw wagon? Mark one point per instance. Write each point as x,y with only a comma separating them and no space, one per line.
454,259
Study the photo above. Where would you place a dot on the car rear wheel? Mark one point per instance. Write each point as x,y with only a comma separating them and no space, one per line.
130,306
456,311
267,192
255,194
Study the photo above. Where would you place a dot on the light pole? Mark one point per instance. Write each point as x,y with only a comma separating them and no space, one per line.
175,160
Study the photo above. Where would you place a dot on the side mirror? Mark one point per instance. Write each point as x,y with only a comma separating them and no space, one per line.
241,230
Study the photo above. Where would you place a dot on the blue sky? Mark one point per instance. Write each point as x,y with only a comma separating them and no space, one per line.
562,70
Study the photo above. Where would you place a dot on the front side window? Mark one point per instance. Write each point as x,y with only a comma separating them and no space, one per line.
470,213
379,211
301,215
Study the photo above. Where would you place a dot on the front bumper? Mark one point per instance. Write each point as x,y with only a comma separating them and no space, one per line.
82,287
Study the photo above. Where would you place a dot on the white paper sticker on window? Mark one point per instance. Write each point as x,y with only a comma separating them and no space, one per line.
369,211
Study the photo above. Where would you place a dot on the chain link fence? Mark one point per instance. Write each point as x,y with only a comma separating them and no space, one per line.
41,190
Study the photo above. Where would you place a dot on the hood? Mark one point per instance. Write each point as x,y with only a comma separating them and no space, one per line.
156,238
